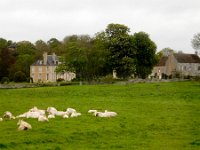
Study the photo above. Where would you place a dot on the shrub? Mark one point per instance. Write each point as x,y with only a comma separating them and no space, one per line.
60,80
107,79
5,80
20,77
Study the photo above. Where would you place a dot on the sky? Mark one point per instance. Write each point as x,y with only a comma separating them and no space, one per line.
169,23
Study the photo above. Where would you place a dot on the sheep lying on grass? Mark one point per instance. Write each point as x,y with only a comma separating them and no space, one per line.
8,115
103,114
42,118
23,125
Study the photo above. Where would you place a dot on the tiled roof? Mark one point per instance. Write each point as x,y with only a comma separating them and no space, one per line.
50,61
162,61
187,58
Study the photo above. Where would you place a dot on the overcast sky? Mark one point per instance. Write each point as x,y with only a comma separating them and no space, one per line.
170,23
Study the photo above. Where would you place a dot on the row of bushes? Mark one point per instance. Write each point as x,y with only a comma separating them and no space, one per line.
18,77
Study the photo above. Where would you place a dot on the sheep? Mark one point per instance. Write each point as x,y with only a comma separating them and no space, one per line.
52,110
42,118
23,125
50,116
8,115
105,114
32,115
92,111
1,119
110,113
65,116
21,115
35,109
61,113
70,111
75,114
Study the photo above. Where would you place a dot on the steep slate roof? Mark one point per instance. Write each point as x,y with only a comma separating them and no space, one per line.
187,58
50,61
162,61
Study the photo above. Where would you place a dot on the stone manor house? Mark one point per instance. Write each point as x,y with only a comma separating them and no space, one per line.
44,70
177,64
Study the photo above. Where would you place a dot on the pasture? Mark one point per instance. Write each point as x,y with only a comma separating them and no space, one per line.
150,116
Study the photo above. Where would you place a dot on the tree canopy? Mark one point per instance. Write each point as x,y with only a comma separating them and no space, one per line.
90,58
196,42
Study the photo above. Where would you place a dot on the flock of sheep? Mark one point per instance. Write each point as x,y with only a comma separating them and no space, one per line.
52,112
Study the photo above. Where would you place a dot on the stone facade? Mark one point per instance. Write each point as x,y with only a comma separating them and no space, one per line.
44,70
177,64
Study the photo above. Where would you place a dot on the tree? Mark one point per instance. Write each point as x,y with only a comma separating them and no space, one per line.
6,58
121,50
25,47
146,57
41,47
55,46
196,42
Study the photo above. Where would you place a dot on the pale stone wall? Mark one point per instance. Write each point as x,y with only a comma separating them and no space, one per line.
48,74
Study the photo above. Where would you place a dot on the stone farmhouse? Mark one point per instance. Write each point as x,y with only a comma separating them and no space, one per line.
177,64
44,70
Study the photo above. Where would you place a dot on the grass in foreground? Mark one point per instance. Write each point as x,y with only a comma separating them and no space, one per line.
150,116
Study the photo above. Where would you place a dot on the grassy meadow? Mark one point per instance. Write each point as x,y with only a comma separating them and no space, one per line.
153,116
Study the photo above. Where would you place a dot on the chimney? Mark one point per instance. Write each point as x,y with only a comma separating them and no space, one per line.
45,58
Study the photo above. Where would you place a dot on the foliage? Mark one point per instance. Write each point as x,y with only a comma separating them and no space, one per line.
154,116
84,56
41,47
5,80
145,54
196,41
107,79
20,77
121,50
89,57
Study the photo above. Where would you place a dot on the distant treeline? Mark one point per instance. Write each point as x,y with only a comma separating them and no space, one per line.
89,57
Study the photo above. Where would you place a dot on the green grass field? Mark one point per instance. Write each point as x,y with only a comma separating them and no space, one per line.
156,116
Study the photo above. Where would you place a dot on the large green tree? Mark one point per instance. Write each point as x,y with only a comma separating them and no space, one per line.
145,54
121,49
6,58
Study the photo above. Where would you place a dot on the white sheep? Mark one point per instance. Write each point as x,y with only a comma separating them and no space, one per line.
42,118
8,115
52,110
32,115
75,114
105,114
61,113
70,111
65,116
35,109
92,111
50,116
1,119
23,125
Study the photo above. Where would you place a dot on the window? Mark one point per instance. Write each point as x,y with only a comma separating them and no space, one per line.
198,68
33,69
47,76
184,68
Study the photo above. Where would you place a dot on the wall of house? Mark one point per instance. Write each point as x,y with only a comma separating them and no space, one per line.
191,69
171,65
158,71
48,74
